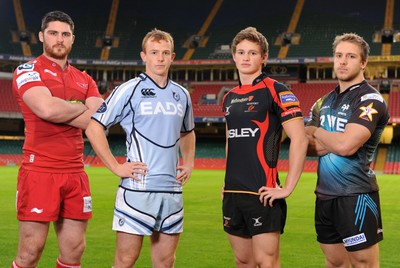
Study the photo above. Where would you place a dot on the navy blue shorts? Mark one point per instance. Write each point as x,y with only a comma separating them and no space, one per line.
354,221
245,215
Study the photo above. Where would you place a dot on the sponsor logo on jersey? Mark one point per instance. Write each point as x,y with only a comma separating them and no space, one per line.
242,133
27,78
335,123
367,112
121,221
292,112
354,240
250,108
102,108
148,92
165,108
288,99
50,72
26,67
236,100
372,96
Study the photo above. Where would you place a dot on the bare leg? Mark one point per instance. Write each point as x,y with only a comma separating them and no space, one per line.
335,255
243,251
127,249
71,239
32,239
163,248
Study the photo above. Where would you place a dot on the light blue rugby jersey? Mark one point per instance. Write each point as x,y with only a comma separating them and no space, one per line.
153,119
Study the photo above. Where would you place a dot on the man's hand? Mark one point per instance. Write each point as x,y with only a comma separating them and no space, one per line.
131,170
184,174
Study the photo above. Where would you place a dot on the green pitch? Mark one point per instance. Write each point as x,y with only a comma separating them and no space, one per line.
203,243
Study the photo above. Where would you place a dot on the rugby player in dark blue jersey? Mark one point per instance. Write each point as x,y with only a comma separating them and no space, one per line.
345,130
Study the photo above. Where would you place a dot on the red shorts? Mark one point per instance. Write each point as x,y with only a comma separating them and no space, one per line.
48,196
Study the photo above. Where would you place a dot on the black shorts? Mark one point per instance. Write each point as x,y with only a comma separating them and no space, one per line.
354,221
245,215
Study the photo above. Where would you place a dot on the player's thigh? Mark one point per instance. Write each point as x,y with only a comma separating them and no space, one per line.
368,255
242,247
128,246
266,247
71,238
163,246
335,255
127,249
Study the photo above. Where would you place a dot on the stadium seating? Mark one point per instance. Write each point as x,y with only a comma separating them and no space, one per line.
394,106
308,93
8,102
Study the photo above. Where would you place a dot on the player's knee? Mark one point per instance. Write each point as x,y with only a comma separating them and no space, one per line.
122,260
166,262
29,255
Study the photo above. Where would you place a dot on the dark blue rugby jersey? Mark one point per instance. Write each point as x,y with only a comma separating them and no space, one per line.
254,117
349,175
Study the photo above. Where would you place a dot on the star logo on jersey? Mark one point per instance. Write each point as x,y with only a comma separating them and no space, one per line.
367,112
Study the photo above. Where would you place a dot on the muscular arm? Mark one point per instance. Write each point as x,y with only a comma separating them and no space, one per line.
97,137
314,147
343,143
297,154
187,148
49,108
82,121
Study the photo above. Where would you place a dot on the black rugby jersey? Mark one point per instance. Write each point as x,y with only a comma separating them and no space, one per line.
349,175
254,117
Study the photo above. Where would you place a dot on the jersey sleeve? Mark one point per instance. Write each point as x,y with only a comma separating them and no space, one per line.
287,105
188,120
370,111
113,109
314,113
26,76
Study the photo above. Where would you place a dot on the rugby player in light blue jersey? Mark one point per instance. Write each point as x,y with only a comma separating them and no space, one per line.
157,117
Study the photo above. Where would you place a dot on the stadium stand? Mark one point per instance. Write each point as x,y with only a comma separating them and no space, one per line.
394,106
8,103
392,164
317,26
308,93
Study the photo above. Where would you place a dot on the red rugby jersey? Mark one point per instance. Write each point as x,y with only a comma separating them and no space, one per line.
51,147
